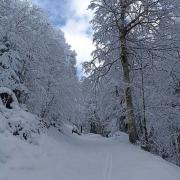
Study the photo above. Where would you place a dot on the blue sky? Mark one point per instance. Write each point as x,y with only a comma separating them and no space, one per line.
72,17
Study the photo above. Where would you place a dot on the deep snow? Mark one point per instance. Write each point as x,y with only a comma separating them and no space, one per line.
87,157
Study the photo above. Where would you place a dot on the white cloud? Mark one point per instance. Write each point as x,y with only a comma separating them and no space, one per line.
77,30
76,35
75,25
80,6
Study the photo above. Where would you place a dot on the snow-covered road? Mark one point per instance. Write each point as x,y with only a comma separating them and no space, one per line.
88,157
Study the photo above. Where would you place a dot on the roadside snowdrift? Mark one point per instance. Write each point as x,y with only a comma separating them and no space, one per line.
19,123
17,128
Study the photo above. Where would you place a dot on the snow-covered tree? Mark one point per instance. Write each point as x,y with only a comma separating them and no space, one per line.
118,26
37,62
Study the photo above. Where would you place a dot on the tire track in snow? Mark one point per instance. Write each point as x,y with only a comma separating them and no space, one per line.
107,174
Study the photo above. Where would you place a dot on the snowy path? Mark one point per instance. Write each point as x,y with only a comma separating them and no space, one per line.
108,167
88,157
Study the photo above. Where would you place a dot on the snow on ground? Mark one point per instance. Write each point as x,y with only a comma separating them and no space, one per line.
87,157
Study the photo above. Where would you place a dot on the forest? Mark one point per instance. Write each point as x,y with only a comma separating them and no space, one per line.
131,85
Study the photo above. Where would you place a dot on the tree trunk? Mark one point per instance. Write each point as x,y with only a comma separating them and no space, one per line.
128,94
126,74
144,106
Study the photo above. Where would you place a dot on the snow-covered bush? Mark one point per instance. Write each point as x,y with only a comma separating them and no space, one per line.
14,104
18,121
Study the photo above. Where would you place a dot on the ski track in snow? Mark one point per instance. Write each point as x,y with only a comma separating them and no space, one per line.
107,175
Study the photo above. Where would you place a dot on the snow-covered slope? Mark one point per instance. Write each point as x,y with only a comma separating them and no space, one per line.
87,157
17,121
